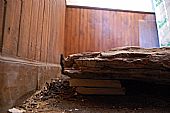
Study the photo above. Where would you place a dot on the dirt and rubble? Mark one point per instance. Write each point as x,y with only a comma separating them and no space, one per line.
59,97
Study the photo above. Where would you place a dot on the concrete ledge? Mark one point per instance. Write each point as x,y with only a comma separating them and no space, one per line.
20,78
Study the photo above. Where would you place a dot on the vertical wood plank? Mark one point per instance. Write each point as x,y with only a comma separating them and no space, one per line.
133,30
96,35
1,22
11,29
25,28
77,32
100,29
114,29
63,7
105,30
136,18
123,29
69,31
117,28
73,17
52,37
127,32
45,32
148,34
66,49
70,34
39,29
49,33
58,24
87,31
92,35
81,26
33,30
89,28
111,28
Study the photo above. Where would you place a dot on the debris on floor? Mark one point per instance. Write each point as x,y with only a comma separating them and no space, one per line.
56,91
59,97
14,110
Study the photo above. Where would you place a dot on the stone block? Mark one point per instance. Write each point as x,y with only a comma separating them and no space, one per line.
20,78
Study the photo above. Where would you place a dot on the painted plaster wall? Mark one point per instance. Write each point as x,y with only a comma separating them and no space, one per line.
132,5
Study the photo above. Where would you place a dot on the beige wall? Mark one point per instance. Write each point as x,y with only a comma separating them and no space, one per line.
132,5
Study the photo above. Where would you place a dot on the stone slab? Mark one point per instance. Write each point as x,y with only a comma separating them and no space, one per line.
121,63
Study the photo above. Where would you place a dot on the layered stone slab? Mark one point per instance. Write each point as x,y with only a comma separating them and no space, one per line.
95,83
121,63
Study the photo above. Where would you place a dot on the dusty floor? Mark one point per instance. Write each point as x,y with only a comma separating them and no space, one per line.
50,101
101,104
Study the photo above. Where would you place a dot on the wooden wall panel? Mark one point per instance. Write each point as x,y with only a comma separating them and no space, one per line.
34,29
39,29
147,35
45,32
1,22
59,42
52,27
25,29
11,29
83,29
89,29
56,42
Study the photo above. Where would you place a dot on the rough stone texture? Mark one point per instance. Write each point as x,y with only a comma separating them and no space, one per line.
19,79
121,63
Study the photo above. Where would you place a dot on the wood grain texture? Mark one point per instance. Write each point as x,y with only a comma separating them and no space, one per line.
25,29
39,29
34,29
45,32
11,29
58,43
1,22
89,29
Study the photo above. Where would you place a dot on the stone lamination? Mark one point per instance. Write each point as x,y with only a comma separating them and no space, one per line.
121,63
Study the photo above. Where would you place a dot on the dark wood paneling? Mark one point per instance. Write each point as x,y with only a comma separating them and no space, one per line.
34,29
96,29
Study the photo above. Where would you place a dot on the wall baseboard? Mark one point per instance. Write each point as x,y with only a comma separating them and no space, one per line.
18,78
